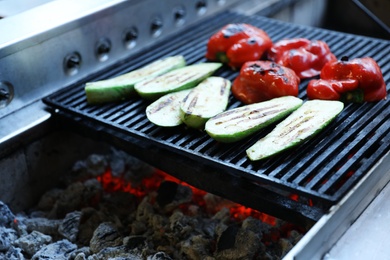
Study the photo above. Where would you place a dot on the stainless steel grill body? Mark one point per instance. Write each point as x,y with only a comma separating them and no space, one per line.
69,51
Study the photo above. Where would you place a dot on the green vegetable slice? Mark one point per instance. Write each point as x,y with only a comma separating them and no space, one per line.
236,124
165,111
122,87
301,125
179,79
204,101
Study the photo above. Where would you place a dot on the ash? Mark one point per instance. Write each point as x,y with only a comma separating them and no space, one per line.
80,221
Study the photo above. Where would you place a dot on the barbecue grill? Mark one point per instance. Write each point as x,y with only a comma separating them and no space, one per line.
335,174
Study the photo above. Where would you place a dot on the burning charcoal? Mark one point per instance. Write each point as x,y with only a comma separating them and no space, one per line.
295,236
238,243
96,164
93,166
106,235
223,215
228,238
196,247
131,168
80,253
7,236
116,253
60,250
214,202
138,227
159,256
19,225
255,225
33,242
171,194
6,215
120,203
80,256
14,253
133,242
144,211
181,225
76,196
69,226
90,220
43,225
285,246
47,201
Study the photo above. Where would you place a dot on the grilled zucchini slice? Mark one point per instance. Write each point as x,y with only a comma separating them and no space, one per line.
206,100
239,123
301,125
179,79
165,111
122,87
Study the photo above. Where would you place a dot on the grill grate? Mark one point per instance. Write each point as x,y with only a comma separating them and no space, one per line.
322,169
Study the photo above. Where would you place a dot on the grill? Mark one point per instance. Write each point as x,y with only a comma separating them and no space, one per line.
320,171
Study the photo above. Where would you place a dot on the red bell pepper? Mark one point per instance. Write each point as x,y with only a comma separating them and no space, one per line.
264,80
355,80
236,44
303,56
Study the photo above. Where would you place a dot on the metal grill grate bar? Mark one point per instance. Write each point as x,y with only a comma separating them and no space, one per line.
318,169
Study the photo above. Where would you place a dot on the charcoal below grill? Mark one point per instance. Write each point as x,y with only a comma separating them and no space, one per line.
320,171
142,228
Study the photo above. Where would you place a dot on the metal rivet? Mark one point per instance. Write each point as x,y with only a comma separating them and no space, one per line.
156,26
130,37
201,7
178,14
103,48
6,93
72,63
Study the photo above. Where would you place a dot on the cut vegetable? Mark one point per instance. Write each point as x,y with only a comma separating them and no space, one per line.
204,101
122,87
165,111
236,124
179,79
301,125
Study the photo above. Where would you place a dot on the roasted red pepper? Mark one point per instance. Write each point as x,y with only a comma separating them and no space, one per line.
236,44
264,80
355,80
303,56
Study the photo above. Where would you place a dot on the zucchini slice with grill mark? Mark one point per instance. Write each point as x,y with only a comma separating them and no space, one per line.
206,100
122,87
241,122
301,125
165,111
176,80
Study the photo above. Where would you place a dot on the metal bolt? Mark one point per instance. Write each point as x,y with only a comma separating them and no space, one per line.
6,93
130,37
72,63
103,47
156,26
201,6
179,13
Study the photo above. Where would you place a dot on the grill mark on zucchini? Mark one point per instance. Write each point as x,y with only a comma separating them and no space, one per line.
167,103
223,88
192,105
259,113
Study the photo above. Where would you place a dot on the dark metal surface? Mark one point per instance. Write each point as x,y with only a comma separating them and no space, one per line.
322,170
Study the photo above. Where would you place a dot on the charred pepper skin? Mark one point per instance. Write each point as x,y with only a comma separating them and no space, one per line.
238,43
303,56
355,80
263,80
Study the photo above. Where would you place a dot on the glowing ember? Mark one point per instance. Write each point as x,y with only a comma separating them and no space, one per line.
111,183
